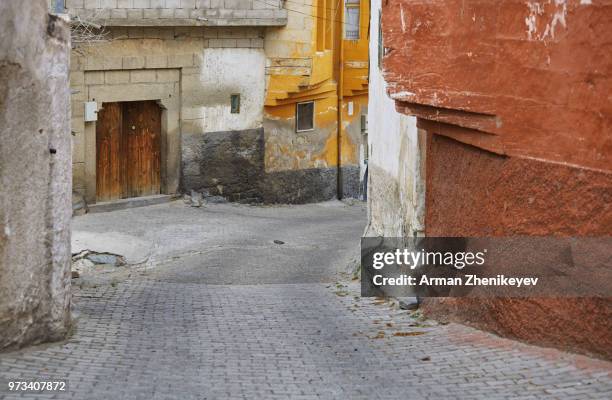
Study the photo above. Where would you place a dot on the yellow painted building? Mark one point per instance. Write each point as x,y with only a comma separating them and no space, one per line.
318,63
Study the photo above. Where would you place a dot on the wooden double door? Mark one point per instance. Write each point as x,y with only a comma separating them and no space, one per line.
128,154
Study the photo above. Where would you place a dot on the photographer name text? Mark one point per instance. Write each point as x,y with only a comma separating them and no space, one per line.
467,280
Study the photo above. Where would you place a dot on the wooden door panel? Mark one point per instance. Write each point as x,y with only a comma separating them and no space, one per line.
128,140
142,122
109,153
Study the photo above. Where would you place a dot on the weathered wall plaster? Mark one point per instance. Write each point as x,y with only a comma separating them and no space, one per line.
495,80
306,63
522,91
35,175
196,69
191,71
471,192
395,189
228,164
222,152
222,72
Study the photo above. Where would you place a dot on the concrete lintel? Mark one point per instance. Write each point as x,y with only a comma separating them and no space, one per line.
168,97
209,21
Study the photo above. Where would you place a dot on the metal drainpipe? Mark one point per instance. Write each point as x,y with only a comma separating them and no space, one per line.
340,98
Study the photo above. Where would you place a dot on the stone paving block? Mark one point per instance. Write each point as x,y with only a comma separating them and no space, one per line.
167,332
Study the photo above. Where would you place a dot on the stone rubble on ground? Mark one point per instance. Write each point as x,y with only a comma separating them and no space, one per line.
106,258
196,199
408,303
81,266
85,261
199,199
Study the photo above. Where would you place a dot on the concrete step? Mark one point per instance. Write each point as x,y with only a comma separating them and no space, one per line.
131,202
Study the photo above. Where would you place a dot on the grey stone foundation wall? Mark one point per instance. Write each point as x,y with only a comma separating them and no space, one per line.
351,185
301,186
35,176
231,164
228,164
179,13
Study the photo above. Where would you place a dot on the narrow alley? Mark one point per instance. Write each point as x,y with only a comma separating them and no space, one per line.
305,199
222,311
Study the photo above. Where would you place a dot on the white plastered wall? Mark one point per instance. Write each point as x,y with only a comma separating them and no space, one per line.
396,190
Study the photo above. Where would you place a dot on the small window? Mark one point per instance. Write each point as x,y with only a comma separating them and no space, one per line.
59,6
351,19
304,116
235,103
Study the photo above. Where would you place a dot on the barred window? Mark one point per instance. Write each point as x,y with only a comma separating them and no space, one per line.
351,19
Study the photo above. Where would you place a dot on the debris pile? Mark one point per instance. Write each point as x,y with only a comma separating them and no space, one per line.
86,260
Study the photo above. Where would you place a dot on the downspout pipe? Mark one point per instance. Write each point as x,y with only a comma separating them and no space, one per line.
340,96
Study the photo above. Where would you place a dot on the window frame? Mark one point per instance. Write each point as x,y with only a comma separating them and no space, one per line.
237,109
297,115
354,4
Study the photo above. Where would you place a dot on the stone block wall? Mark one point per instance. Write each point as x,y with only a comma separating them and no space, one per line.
35,175
190,71
229,164
213,62
180,12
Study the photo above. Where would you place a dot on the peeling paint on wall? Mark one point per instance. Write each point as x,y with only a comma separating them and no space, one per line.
222,73
542,68
396,191
542,22
311,72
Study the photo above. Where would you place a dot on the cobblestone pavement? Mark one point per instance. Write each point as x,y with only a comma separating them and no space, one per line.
159,334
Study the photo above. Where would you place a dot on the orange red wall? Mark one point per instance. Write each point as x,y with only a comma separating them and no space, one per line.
515,99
